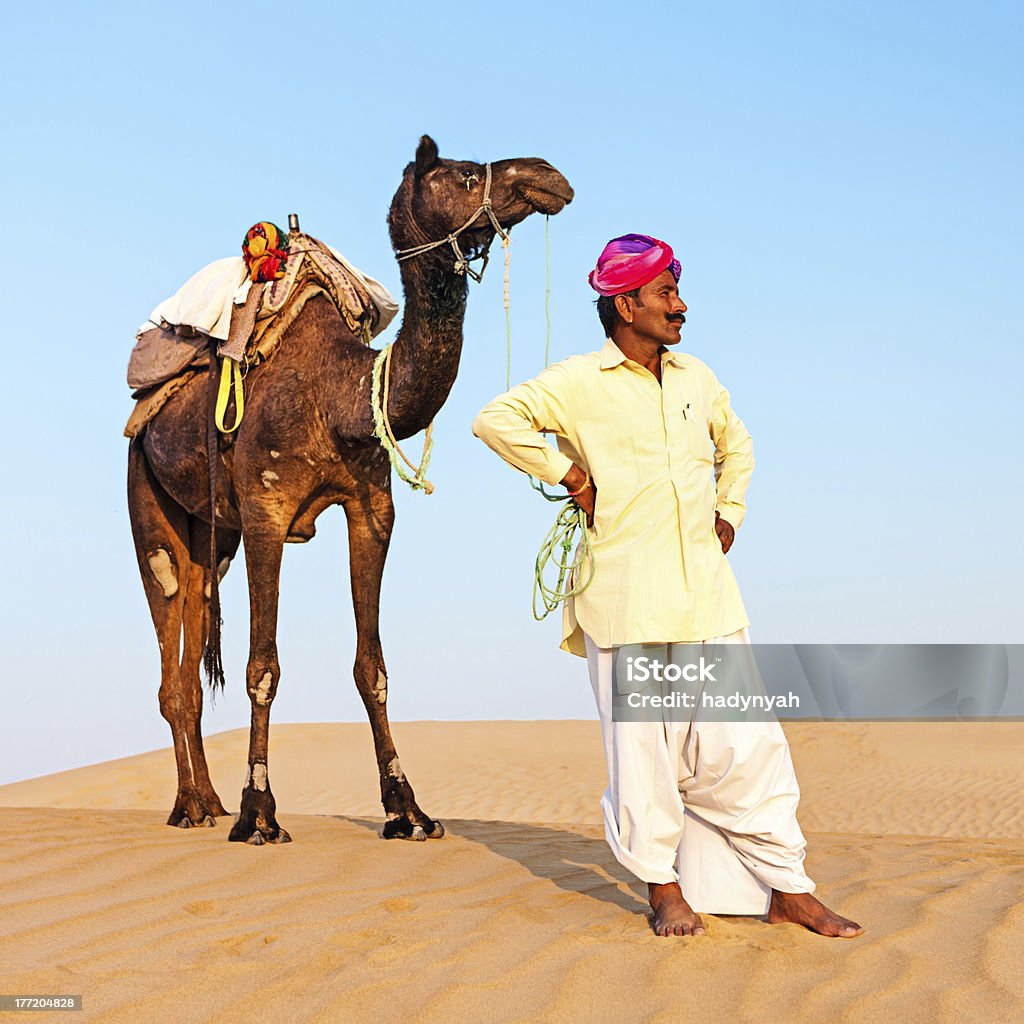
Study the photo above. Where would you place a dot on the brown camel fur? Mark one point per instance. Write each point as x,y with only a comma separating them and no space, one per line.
306,442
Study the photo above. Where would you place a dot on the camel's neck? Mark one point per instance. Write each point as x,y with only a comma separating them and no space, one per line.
425,358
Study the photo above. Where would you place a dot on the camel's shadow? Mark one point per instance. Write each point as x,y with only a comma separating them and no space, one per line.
575,863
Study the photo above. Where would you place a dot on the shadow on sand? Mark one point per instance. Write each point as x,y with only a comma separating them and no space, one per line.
575,863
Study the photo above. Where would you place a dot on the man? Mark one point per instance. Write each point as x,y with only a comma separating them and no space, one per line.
640,431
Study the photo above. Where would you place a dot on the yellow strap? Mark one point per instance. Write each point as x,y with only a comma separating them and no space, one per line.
229,371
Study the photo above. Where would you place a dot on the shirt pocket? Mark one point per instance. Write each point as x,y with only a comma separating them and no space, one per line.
698,432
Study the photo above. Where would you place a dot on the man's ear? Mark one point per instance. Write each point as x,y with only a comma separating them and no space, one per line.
624,307
426,155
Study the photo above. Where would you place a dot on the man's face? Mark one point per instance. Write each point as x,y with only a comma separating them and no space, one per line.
658,311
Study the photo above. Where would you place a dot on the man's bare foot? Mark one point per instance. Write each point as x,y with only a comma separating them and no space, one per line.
803,908
672,914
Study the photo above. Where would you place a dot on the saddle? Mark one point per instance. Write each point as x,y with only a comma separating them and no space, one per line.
174,344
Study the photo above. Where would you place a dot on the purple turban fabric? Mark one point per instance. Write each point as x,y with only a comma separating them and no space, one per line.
630,261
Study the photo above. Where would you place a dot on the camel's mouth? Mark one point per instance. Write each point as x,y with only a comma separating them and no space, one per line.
545,200
544,191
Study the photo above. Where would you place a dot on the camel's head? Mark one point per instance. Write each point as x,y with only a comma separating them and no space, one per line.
438,196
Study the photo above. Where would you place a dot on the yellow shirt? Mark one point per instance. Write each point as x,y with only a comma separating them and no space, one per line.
664,459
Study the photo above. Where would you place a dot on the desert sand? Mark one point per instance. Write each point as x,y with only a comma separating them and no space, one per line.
520,913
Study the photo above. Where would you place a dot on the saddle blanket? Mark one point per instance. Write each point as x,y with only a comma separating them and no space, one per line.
205,300
177,331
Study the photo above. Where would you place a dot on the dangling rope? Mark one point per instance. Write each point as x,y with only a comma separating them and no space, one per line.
382,427
213,663
557,545
506,243
547,289
538,485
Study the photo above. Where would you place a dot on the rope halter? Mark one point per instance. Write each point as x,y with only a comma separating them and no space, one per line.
462,262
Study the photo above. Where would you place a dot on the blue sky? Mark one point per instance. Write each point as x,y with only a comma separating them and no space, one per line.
841,183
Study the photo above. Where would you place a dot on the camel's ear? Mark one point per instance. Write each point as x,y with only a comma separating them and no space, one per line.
426,155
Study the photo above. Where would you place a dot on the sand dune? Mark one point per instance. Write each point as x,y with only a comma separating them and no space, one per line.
520,913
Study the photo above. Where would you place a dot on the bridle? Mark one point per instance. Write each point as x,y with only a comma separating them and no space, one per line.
462,262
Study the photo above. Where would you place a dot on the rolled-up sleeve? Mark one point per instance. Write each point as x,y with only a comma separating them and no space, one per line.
514,423
734,457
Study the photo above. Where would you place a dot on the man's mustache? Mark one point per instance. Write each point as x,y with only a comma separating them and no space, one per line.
677,318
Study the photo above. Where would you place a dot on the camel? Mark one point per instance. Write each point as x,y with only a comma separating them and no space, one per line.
306,442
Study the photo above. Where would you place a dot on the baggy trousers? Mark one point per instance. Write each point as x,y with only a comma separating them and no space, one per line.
710,804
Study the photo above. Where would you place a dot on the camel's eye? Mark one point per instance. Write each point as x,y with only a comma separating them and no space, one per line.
469,178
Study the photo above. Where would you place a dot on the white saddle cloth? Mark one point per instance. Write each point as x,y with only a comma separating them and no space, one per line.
205,300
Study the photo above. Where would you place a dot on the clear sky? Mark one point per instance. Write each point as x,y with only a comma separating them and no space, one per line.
842,183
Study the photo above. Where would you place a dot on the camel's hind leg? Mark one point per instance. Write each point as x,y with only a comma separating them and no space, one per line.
161,531
195,623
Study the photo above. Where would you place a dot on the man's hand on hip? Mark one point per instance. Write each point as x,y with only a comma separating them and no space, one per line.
578,480
726,534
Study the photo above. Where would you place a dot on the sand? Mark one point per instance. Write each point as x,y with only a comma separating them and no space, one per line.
520,913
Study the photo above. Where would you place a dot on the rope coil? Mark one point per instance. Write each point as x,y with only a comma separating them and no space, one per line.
556,548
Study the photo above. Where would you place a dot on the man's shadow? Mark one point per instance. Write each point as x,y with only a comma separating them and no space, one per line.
573,862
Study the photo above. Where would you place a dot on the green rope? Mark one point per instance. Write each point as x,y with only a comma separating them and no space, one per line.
538,485
547,290
383,434
505,243
557,549
557,546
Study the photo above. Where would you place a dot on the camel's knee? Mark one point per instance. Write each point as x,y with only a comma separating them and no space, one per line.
164,571
170,704
262,684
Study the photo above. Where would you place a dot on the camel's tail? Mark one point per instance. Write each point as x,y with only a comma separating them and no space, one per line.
212,663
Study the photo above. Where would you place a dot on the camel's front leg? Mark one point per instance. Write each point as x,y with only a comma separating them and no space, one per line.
369,531
256,822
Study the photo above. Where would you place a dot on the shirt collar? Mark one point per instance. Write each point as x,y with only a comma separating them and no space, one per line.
612,356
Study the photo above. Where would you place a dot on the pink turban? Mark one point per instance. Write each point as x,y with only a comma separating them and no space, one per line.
630,261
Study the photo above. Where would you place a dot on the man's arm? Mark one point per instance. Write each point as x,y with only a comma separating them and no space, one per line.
514,423
734,464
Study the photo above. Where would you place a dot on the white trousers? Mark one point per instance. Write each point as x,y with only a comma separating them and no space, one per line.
710,804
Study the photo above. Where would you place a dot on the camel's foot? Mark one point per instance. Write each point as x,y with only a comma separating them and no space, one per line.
192,811
256,822
185,822
413,825
257,838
